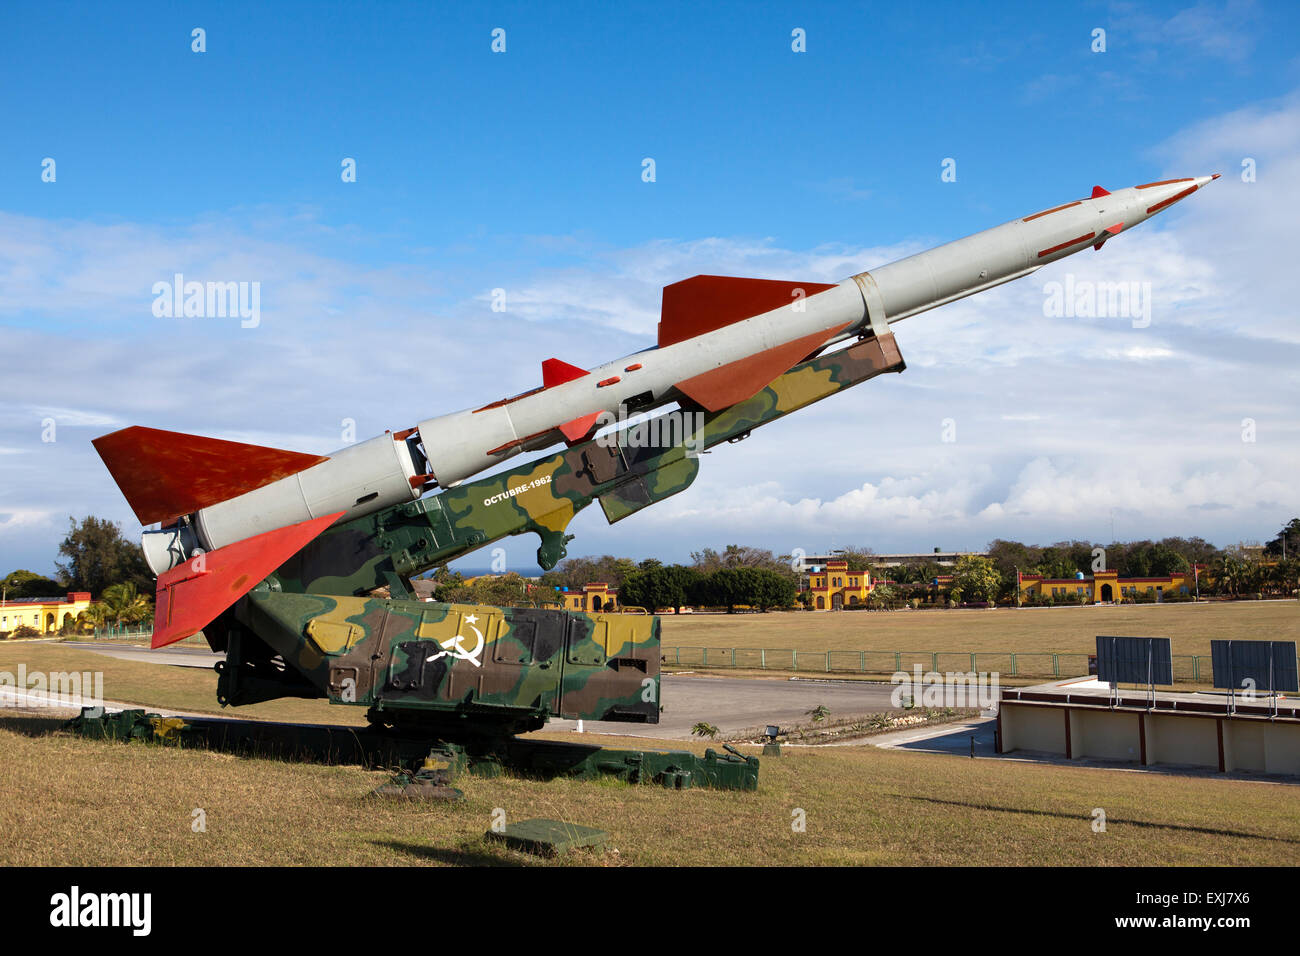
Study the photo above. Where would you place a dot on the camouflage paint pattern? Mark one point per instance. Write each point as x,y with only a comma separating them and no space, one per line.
450,664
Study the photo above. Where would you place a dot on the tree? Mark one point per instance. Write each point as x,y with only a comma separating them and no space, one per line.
883,597
773,589
739,556
1287,541
508,590
92,617
29,584
124,604
976,579
751,587
860,559
98,556
575,572
658,587
727,587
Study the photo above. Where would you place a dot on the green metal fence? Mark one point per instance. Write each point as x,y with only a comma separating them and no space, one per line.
1188,668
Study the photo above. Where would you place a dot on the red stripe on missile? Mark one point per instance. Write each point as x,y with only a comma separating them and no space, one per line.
164,475
1172,199
1164,182
703,304
612,380
512,398
515,442
737,381
191,595
1066,245
1048,212
633,368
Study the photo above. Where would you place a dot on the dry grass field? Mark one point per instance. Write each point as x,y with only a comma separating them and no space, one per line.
186,689
1004,630
71,801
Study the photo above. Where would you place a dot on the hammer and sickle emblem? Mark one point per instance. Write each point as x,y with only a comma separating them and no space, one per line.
455,647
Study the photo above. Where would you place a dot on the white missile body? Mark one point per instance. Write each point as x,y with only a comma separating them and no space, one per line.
712,369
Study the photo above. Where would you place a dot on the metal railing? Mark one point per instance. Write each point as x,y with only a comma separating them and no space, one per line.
1188,668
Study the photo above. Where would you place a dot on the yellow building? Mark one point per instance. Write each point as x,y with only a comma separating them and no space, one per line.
1107,586
46,615
595,596
836,587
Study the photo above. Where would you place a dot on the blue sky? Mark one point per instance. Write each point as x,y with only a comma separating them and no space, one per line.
522,170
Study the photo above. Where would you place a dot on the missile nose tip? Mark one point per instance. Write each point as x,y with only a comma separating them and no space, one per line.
1203,180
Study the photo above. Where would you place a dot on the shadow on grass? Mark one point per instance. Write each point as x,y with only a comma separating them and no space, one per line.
32,725
1144,824
465,855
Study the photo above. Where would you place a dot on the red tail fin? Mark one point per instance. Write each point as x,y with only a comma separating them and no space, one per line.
164,475
557,372
705,303
192,594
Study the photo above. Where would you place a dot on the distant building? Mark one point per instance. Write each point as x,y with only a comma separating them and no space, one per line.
816,563
1108,586
945,559
46,615
836,587
596,596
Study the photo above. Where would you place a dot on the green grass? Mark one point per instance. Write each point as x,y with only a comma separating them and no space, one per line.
1023,631
160,686
73,801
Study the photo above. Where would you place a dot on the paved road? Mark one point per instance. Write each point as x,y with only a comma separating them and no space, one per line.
954,738
729,703
180,656
733,704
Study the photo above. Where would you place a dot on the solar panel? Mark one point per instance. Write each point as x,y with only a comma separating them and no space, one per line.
1270,665
1134,660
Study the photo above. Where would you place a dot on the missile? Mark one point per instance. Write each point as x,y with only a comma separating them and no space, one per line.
721,340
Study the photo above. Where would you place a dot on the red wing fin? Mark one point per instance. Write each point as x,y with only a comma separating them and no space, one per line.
556,372
164,475
1107,233
704,303
192,594
737,381
1097,192
576,430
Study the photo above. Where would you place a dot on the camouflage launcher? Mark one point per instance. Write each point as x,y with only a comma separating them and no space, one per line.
279,557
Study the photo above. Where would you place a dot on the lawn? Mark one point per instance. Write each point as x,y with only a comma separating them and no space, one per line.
185,689
1065,630
73,801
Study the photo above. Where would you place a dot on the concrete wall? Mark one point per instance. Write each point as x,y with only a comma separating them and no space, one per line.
1254,744
1182,740
1033,728
1105,735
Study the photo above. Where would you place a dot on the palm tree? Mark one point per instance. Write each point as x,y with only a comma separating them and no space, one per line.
126,605
93,617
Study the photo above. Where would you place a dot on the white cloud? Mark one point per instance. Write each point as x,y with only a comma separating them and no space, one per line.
1060,421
